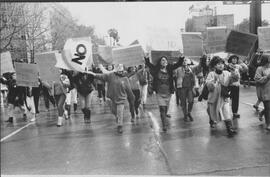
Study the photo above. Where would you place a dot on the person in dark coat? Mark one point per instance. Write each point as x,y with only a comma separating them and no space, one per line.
16,95
163,85
85,85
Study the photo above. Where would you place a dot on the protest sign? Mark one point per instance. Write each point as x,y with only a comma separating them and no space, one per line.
172,56
6,63
264,38
46,64
226,20
240,43
26,74
60,63
162,39
77,53
128,56
105,52
192,44
216,39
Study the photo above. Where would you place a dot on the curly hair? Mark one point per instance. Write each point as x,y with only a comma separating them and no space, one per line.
215,60
231,57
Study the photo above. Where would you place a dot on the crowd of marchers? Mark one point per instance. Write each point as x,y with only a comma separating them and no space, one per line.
215,80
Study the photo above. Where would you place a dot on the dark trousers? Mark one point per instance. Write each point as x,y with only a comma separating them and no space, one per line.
235,98
47,98
36,93
101,91
267,112
137,101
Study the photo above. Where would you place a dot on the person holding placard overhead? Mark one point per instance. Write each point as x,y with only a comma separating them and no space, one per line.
119,91
162,74
262,77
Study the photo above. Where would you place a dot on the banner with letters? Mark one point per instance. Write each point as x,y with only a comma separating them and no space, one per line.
46,64
240,43
192,43
128,56
264,38
6,63
172,56
27,74
77,53
216,39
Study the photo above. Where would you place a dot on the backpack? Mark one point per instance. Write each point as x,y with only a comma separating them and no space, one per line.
204,94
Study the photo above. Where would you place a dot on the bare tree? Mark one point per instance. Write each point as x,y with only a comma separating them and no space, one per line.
113,33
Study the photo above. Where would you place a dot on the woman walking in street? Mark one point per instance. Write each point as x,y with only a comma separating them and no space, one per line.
60,90
262,77
218,99
84,83
162,74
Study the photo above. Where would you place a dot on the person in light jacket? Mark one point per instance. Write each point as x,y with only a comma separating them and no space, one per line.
218,104
262,77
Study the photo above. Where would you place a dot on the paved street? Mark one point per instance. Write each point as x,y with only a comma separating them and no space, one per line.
41,148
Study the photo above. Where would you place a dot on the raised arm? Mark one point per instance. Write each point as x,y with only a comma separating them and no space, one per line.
148,63
104,77
179,63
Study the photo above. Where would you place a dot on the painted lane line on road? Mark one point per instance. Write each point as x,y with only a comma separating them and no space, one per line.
17,131
156,129
250,104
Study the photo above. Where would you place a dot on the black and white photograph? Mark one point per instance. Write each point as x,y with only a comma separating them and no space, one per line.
137,88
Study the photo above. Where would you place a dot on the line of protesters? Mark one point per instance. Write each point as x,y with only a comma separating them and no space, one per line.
220,85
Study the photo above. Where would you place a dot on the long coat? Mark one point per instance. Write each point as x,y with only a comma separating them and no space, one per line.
263,81
219,107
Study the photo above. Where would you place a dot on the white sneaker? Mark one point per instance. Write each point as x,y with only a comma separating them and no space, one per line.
66,114
33,119
60,121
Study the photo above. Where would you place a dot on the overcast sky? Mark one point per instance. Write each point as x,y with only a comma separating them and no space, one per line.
132,19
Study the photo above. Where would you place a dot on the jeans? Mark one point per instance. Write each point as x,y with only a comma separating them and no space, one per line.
118,111
235,98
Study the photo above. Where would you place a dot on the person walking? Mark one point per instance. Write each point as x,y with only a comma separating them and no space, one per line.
185,75
236,64
262,77
85,85
218,99
119,91
162,74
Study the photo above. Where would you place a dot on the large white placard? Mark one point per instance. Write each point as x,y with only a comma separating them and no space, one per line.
192,44
27,74
6,63
264,38
216,39
128,56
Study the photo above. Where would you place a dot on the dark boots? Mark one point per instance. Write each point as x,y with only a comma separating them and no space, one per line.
75,107
229,127
163,112
10,120
190,106
87,115
67,111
